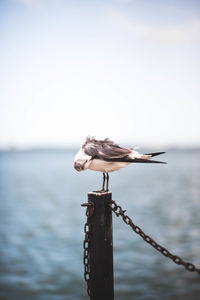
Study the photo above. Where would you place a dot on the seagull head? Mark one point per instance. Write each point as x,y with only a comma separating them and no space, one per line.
81,165
81,161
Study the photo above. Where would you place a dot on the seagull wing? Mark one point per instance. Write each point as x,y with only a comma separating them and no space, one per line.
105,149
109,151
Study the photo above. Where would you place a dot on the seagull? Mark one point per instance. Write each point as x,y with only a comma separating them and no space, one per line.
105,156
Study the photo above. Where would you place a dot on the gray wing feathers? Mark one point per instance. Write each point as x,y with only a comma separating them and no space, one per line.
109,151
104,149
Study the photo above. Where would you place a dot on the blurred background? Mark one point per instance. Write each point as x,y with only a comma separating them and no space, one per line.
124,69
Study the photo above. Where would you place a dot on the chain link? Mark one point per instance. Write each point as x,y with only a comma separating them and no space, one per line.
176,259
86,242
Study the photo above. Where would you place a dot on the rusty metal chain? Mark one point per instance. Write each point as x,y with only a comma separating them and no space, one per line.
86,253
176,259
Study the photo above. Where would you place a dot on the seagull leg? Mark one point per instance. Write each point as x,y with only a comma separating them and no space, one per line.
103,185
107,182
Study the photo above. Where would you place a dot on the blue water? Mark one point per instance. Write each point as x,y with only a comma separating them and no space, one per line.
41,231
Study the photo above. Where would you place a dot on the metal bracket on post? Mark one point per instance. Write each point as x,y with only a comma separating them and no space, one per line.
101,247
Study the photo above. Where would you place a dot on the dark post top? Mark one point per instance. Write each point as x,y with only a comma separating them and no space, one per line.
101,247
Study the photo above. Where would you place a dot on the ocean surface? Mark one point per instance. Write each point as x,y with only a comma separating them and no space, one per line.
41,227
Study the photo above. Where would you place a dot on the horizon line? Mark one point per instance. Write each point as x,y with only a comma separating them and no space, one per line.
73,147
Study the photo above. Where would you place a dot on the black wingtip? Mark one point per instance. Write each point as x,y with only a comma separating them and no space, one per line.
155,153
159,162
148,161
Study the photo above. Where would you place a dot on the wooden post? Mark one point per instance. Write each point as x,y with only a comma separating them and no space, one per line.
101,247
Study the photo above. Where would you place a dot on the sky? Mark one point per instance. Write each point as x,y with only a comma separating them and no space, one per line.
124,69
